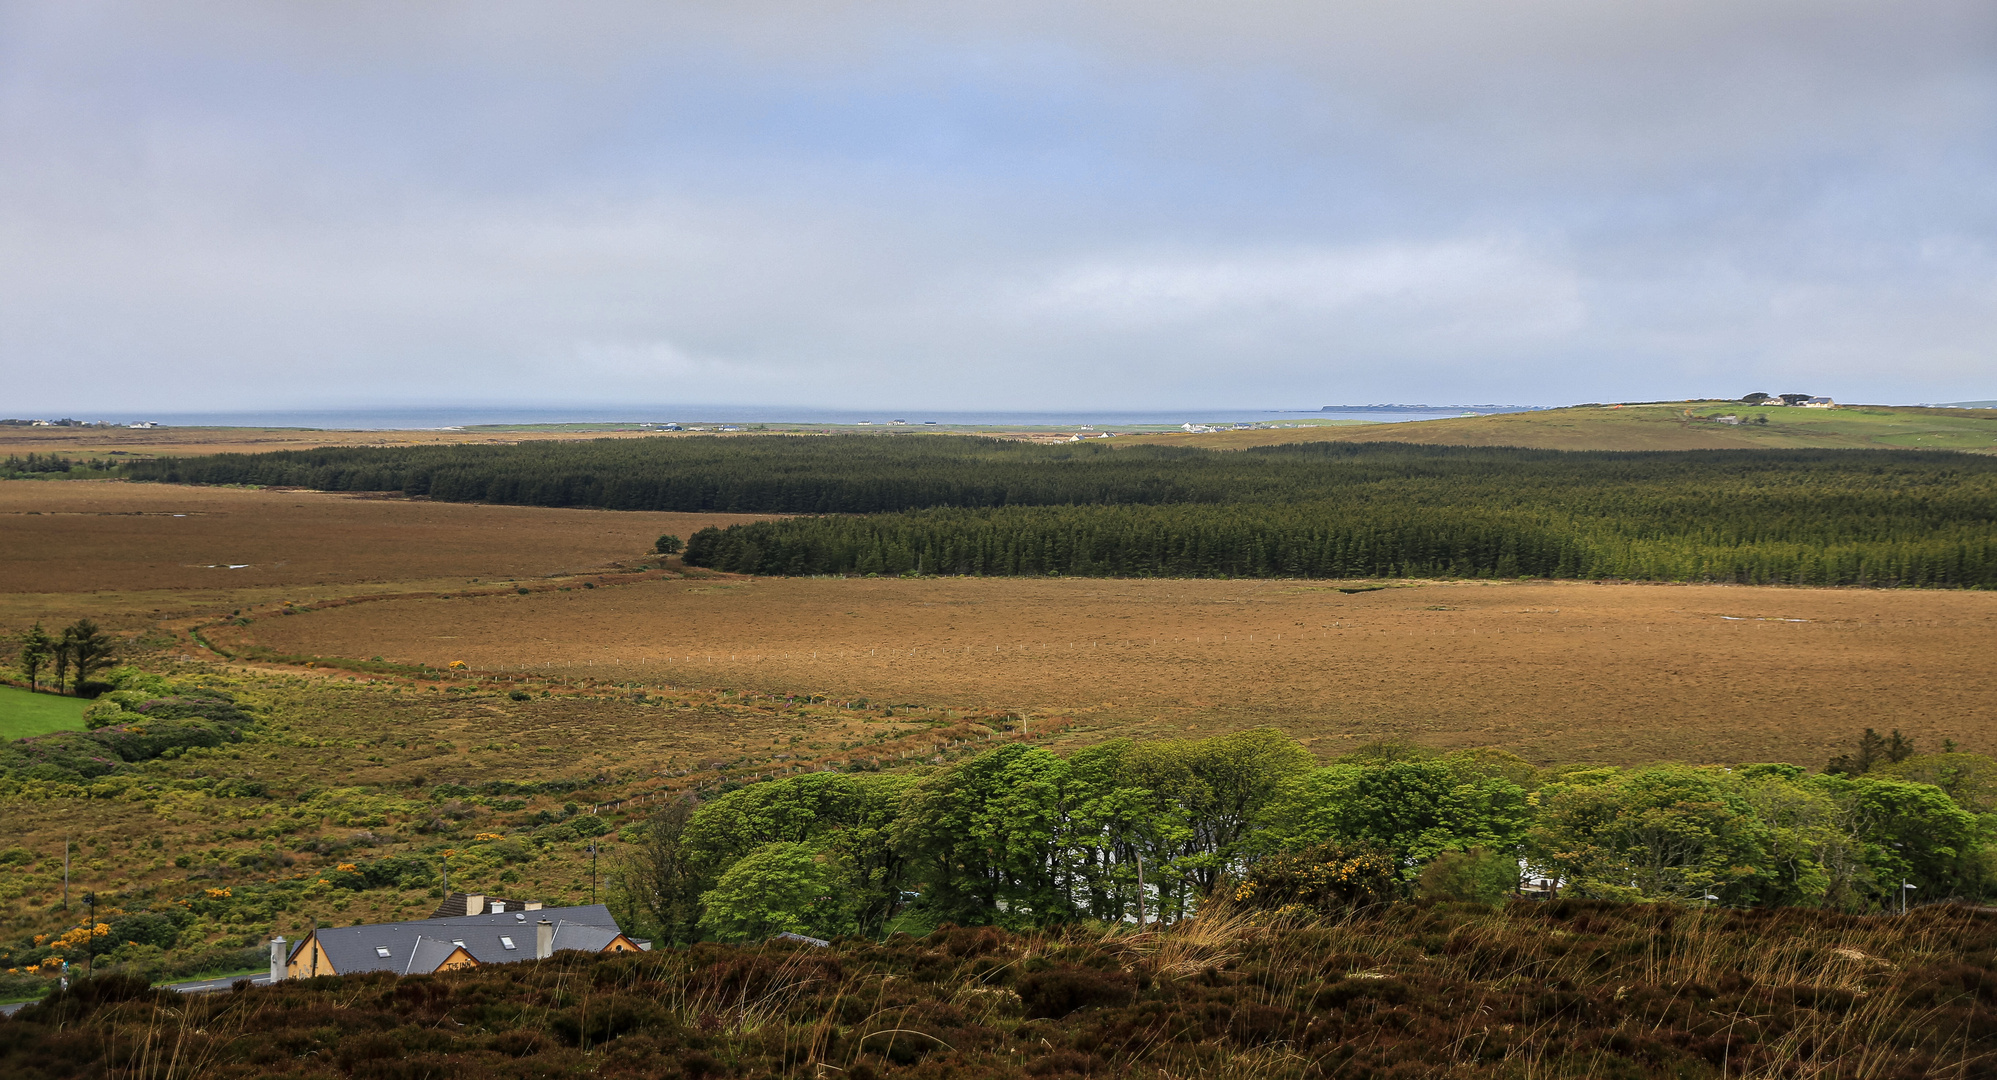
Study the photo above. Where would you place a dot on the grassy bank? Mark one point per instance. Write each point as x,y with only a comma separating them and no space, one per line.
23,714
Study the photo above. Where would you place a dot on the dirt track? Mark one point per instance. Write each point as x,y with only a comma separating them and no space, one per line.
1554,671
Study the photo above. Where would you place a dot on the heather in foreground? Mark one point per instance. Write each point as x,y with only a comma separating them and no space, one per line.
1564,988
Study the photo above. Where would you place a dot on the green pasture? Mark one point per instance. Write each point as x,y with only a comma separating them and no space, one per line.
23,714
1875,425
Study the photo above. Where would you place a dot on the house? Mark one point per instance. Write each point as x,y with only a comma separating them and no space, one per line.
424,946
460,904
1819,403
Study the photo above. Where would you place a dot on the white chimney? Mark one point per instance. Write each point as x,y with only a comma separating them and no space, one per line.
544,939
497,907
277,956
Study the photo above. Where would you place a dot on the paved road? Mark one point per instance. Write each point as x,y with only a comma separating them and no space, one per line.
198,986
210,986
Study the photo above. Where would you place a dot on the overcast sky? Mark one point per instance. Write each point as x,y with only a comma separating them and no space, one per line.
1071,204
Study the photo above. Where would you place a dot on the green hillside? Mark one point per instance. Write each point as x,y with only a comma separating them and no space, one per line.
1678,425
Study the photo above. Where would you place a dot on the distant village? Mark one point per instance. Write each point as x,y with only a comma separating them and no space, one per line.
66,422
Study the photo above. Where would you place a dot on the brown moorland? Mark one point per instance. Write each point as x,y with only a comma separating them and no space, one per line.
1551,990
1556,671
97,442
127,551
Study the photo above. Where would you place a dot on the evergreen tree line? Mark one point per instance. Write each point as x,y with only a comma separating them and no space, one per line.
80,647
1022,837
859,474
35,464
1348,540
986,506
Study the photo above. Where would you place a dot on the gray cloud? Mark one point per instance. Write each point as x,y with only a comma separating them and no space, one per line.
208,206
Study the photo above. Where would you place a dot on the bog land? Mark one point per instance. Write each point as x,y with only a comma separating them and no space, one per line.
1553,670
339,705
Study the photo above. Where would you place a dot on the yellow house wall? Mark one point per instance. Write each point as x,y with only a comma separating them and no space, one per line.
457,961
311,960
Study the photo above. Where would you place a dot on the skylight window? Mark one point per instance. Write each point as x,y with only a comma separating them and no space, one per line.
381,950
508,942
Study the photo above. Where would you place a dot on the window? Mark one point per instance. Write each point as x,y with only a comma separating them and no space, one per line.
381,950
506,941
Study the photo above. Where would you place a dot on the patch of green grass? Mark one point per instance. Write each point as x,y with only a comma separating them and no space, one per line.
23,714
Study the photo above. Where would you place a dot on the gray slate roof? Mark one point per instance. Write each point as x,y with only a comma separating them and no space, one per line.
428,953
359,948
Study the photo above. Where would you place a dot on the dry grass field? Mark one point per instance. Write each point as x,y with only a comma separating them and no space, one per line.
128,552
1554,671
96,442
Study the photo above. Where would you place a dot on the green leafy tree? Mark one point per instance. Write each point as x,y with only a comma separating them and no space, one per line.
780,888
983,839
1668,832
37,649
1912,833
658,884
1414,810
1477,876
1236,776
669,545
1127,832
1813,859
852,816
1969,779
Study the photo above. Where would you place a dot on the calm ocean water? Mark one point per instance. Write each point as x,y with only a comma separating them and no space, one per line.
391,419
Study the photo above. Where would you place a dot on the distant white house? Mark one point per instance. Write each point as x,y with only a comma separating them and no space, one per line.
1820,403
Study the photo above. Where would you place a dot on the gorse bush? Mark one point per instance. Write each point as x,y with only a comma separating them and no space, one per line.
983,506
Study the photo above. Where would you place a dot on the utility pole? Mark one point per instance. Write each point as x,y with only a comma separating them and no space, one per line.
90,938
592,871
65,874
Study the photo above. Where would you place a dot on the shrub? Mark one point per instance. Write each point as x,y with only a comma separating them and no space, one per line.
86,996
1323,879
1061,989
1477,876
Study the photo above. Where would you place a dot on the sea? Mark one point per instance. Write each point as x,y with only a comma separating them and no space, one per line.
438,418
